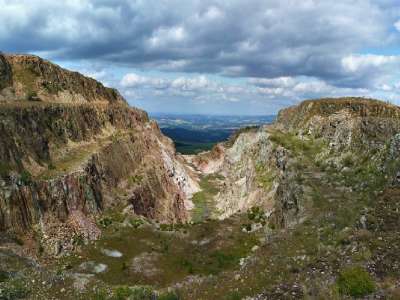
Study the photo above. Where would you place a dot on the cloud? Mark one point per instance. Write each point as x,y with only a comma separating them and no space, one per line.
132,80
270,53
255,38
360,63
397,25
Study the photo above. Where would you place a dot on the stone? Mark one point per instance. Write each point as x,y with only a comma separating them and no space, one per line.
111,253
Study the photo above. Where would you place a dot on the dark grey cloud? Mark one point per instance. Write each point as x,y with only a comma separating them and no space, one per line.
253,38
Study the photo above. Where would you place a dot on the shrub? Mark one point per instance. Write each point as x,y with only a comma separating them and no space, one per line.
136,223
133,293
356,282
32,96
234,295
4,169
105,222
78,240
348,161
4,276
14,289
168,296
26,177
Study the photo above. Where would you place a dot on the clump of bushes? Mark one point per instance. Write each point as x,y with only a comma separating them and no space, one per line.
264,176
136,222
25,177
105,222
14,289
134,293
168,296
256,216
78,240
356,282
137,179
4,169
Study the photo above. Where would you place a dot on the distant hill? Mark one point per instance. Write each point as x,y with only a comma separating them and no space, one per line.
195,133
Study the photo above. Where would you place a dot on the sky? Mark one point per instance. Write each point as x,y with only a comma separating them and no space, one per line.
248,57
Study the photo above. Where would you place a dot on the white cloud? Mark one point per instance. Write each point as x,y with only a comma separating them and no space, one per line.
273,82
132,80
190,84
165,36
397,25
357,63
279,50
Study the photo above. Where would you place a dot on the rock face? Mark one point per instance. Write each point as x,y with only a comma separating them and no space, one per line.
79,151
348,122
263,167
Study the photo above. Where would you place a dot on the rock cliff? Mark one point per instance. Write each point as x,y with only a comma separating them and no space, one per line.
262,167
72,149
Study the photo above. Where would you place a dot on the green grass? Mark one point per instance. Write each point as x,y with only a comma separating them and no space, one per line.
133,293
14,289
356,282
203,200
298,146
265,177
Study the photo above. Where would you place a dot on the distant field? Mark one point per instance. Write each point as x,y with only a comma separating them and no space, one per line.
196,133
192,148
193,141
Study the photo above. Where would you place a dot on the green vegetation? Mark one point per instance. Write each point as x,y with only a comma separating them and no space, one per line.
192,147
136,179
4,169
265,177
105,222
136,222
298,146
52,87
25,177
203,200
257,215
356,282
27,78
133,293
168,296
14,289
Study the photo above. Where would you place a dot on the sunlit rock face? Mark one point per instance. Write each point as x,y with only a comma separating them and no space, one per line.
263,167
71,148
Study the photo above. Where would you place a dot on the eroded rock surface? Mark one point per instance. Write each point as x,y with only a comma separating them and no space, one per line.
71,149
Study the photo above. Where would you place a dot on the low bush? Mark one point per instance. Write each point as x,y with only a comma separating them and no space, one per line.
356,282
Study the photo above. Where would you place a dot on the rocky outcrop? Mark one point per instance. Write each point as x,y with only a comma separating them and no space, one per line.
263,167
33,78
344,122
64,161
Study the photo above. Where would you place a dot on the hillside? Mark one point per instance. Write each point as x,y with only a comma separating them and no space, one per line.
72,152
96,204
